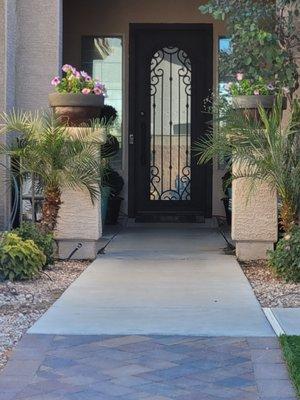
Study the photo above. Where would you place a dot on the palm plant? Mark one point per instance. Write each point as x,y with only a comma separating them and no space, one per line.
57,159
263,149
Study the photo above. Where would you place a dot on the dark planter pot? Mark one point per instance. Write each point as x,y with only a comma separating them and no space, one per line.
113,212
105,193
252,102
228,213
76,109
249,104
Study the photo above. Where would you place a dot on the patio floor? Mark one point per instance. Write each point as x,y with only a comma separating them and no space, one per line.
163,315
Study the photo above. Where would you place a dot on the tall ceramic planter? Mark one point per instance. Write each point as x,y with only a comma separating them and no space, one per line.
76,109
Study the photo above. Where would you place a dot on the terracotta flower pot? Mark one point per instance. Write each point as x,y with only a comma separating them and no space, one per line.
76,109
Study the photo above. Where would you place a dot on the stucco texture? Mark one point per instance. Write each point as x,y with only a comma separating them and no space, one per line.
254,212
78,218
38,51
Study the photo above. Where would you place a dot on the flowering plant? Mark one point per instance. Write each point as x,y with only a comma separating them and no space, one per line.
285,259
263,39
250,87
75,81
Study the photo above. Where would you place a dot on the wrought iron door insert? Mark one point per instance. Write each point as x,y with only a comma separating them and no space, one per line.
170,165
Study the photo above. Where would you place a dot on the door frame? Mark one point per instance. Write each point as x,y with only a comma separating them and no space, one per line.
134,28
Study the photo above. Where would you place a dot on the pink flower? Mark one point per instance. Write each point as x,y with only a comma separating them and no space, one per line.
67,68
77,75
256,92
102,87
86,91
239,76
84,74
99,85
88,79
97,91
55,81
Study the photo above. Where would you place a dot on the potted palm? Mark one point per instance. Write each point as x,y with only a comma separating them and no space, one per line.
78,98
45,149
266,150
112,182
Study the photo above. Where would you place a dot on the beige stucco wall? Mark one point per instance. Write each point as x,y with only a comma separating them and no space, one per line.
30,54
38,51
105,17
7,93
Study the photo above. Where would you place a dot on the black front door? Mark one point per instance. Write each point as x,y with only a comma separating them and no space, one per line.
171,75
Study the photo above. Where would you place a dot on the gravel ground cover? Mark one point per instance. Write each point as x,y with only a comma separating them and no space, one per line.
270,290
22,303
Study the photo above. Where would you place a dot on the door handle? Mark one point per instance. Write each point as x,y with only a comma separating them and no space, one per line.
143,143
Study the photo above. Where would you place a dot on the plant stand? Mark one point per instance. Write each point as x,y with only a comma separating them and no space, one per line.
254,219
79,222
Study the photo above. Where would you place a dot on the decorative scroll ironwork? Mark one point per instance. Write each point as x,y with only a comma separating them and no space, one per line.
170,169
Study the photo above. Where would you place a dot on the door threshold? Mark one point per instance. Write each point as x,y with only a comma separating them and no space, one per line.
170,218
208,223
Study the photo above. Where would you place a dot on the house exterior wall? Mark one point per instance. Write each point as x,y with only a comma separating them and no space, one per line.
30,54
39,51
112,18
7,94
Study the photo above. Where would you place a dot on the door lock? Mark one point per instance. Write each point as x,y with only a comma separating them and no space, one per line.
131,139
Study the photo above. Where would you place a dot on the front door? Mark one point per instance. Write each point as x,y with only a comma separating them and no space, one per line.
171,76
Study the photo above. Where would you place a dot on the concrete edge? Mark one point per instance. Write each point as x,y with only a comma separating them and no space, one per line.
276,326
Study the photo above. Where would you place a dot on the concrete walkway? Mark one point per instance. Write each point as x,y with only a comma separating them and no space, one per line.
289,319
167,280
175,282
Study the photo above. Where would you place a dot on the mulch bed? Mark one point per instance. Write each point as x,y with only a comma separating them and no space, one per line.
22,303
270,290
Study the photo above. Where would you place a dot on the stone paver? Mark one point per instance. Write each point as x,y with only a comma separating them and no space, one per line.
47,367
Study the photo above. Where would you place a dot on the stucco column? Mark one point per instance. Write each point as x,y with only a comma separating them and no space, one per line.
79,226
254,219
38,59
79,222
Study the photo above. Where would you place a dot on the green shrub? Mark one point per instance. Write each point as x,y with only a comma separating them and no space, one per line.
285,260
19,259
44,241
